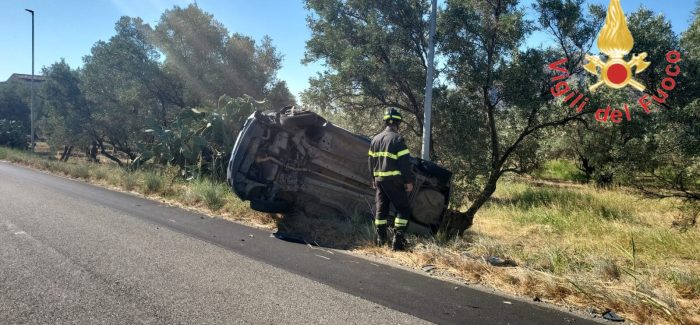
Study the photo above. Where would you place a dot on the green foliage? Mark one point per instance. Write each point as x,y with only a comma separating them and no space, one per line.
129,181
654,35
153,182
12,134
461,141
656,152
126,87
14,103
117,82
375,52
212,62
67,117
494,107
198,141
79,171
565,201
100,172
686,282
212,194
560,170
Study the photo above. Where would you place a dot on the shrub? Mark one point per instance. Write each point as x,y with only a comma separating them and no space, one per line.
212,194
12,134
687,284
153,182
129,181
100,172
80,171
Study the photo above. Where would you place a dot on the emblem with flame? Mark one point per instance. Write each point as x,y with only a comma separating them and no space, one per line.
615,40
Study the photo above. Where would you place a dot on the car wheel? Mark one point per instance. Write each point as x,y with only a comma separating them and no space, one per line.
270,206
301,120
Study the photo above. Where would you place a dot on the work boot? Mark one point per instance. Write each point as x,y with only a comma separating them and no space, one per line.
382,237
399,241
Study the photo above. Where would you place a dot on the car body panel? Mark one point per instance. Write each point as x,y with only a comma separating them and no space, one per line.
297,160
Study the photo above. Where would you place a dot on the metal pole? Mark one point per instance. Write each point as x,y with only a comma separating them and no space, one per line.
427,105
31,86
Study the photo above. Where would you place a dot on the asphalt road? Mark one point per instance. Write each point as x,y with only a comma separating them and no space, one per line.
71,252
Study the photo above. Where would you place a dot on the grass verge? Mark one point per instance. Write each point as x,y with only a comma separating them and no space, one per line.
573,244
201,195
577,245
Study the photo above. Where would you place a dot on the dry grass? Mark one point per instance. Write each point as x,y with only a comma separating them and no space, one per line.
577,245
574,244
202,196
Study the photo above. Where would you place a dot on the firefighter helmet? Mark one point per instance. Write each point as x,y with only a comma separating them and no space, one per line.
392,116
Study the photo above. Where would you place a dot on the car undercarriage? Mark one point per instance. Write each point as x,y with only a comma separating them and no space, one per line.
295,160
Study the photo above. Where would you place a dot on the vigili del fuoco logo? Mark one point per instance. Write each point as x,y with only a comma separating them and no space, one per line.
616,41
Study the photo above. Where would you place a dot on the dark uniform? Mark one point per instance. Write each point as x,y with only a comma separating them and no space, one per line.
389,163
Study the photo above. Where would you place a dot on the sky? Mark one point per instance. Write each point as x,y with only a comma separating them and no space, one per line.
68,28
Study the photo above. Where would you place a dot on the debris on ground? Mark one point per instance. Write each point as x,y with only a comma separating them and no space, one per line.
497,261
612,316
428,267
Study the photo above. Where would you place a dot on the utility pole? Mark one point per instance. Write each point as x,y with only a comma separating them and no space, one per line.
31,86
427,104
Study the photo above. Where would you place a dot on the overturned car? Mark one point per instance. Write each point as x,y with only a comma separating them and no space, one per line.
296,160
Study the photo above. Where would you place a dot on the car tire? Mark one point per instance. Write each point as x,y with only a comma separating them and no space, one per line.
301,120
270,206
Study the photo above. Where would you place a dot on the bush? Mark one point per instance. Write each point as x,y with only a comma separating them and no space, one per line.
212,194
129,181
80,171
153,182
100,172
61,167
687,284
12,134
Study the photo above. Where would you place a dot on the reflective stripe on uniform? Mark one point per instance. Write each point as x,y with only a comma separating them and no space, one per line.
387,173
398,222
396,117
388,154
379,222
383,154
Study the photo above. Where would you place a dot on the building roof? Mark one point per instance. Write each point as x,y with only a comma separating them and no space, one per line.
25,78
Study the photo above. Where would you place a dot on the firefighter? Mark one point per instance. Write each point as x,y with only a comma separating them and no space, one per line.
389,163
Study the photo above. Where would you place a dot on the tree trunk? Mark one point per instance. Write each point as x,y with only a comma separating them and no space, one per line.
67,150
586,168
92,152
63,154
106,154
458,222
163,113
